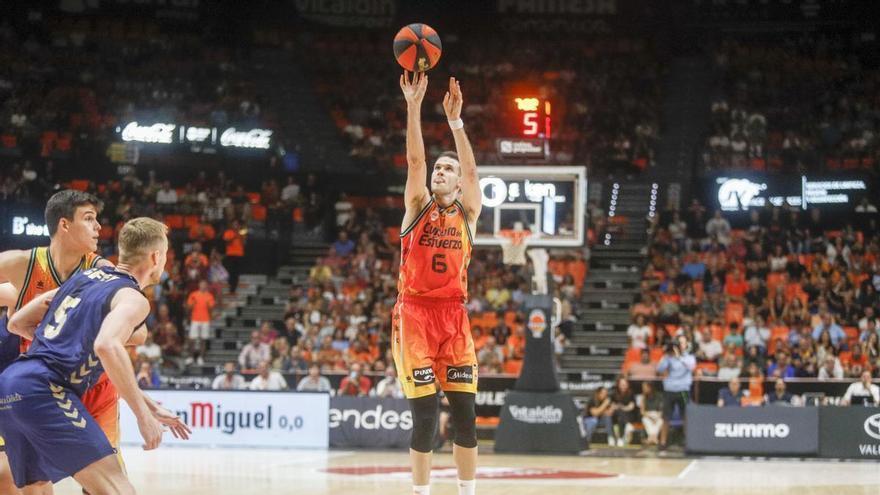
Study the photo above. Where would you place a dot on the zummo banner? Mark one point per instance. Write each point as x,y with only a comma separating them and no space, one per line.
370,422
752,430
241,419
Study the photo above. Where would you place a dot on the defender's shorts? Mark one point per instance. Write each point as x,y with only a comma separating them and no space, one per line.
431,339
49,433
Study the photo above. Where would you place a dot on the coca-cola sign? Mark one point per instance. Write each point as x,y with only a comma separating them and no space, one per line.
197,137
254,138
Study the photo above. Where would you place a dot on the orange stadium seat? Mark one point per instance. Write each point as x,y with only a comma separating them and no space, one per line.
174,221
258,213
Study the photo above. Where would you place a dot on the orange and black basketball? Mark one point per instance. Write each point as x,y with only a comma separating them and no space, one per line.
417,47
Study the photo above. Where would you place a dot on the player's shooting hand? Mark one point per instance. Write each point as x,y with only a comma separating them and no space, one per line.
453,100
173,422
414,89
151,431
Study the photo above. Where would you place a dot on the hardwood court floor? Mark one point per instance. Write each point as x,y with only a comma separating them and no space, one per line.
198,471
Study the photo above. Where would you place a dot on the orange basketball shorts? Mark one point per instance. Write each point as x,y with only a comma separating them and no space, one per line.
431,341
102,402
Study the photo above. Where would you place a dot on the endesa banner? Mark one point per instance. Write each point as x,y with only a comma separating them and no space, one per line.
242,419
370,422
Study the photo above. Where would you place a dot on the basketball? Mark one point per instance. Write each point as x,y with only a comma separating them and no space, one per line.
417,47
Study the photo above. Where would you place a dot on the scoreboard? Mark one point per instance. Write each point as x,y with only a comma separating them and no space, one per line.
528,128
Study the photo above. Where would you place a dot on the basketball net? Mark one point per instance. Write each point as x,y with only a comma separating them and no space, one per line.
514,245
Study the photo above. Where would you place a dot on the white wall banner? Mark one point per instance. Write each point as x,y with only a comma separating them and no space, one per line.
241,419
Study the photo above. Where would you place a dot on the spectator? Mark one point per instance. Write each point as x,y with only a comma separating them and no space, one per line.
831,369
235,238
390,385
290,192
314,382
862,391
254,353
779,396
730,367
343,246
644,369
757,334
709,349
652,414
834,330
677,368
166,197
201,305
599,408
624,412
355,384
149,351
638,333
718,228
229,379
781,368
147,376
732,395
170,344
491,351
267,379
734,338
299,361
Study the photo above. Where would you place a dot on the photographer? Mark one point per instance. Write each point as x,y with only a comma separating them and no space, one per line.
677,368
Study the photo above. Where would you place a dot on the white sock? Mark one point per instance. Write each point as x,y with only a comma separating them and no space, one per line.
421,489
467,487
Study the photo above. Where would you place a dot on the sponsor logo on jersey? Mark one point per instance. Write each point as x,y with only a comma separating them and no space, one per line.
423,376
435,215
460,374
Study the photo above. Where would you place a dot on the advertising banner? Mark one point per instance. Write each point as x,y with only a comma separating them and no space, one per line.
370,422
241,419
539,422
752,430
850,432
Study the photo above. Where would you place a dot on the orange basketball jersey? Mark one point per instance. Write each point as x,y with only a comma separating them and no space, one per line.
435,252
42,276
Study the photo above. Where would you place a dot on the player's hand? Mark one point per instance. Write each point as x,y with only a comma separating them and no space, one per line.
414,89
151,431
173,422
453,100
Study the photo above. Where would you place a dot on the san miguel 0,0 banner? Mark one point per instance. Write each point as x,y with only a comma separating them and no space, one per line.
242,419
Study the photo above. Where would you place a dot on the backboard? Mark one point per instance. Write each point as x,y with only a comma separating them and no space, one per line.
548,200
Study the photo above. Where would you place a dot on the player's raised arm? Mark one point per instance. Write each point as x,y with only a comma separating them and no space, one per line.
25,321
128,309
471,197
416,193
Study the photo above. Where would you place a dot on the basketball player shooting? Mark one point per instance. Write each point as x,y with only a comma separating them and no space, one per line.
431,337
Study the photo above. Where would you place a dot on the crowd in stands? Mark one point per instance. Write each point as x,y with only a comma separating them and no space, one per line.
340,317
804,103
69,82
605,100
771,300
340,320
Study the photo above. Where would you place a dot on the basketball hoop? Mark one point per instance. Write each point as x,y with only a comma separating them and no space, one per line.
514,245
